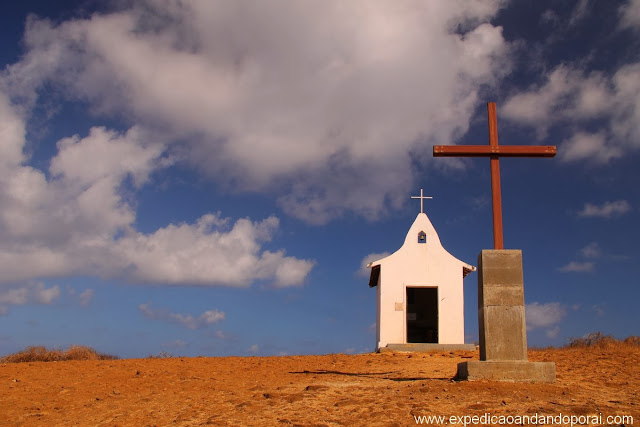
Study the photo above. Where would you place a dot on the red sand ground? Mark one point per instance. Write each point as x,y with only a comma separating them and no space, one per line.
331,390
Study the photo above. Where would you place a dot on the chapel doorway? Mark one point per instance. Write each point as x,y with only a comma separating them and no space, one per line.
422,315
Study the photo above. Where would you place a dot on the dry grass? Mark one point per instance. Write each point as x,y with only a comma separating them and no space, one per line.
600,340
78,352
42,354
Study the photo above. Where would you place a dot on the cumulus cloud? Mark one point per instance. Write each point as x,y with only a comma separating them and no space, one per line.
79,218
579,12
32,293
592,250
57,224
594,147
630,14
578,267
363,271
566,93
553,332
206,253
606,210
288,93
207,318
571,96
84,298
224,336
545,316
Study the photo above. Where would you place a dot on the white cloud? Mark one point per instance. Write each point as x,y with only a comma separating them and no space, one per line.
579,12
259,94
478,202
363,271
44,295
12,131
585,146
544,316
207,318
211,316
30,293
630,14
85,297
592,250
224,336
567,93
254,348
571,97
606,210
549,17
204,253
553,332
14,296
60,224
578,267
79,219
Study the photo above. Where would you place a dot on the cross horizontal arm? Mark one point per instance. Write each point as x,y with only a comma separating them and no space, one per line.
489,150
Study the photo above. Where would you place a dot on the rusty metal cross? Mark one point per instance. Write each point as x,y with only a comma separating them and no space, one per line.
494,152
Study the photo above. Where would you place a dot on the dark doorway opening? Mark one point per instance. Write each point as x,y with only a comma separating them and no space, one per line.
422,315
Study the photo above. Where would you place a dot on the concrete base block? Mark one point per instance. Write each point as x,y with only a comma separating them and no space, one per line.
507,370
425,347
501,318
504,332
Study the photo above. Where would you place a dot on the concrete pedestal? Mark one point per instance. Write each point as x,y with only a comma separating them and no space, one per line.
501,323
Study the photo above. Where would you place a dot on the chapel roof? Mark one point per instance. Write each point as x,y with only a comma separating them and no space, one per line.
420,224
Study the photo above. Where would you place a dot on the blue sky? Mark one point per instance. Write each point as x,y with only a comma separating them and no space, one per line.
209,178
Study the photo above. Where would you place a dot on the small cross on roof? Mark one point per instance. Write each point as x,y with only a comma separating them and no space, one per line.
421,197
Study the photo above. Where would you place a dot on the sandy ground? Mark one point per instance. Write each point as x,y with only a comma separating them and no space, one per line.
330,390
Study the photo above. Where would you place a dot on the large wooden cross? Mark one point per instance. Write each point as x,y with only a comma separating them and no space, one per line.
494,152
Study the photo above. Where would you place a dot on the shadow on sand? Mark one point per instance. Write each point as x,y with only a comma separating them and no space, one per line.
374,375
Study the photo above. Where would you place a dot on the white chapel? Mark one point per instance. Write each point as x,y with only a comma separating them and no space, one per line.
420,292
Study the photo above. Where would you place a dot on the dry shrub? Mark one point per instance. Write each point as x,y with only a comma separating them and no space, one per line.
161,355
33,354
632,340
42,354
600,340
78,352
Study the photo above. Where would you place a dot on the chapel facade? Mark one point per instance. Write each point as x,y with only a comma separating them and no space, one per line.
420,295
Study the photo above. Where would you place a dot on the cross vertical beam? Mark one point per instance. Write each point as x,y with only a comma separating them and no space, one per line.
496,192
